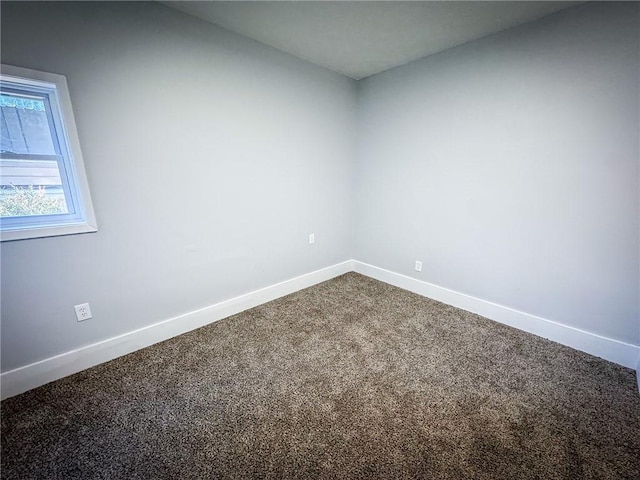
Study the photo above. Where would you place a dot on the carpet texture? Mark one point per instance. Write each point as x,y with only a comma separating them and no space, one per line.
351,378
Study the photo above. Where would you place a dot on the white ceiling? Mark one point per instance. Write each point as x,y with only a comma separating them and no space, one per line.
361,38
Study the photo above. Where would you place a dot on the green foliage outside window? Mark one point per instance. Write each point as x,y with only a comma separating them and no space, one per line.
20,201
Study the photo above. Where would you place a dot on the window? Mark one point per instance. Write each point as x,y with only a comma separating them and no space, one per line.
43,187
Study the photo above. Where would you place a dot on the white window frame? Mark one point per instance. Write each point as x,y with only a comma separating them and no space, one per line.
81,218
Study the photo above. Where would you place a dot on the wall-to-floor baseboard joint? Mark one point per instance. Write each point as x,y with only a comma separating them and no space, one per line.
39,373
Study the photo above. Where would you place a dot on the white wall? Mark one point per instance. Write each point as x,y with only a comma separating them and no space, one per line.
210,159
510,167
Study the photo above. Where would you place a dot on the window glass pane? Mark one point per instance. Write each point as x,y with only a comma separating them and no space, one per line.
25,125
31,187
28,186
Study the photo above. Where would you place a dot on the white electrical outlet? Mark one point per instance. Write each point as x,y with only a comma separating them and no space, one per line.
83,312
312,238
418,266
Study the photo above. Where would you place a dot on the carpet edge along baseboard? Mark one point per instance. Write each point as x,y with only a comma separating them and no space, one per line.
27,377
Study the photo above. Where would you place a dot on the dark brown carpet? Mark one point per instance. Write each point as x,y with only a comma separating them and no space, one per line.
351,378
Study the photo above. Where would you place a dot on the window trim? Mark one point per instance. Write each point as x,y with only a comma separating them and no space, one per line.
85,221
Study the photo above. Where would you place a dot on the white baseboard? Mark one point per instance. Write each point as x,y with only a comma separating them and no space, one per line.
39,373
613,350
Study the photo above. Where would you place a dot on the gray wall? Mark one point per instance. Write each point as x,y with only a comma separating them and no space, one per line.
509,166
210,159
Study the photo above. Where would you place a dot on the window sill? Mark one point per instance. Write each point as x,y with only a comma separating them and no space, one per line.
47,231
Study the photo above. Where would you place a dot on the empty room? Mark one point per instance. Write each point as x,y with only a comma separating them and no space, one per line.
359,240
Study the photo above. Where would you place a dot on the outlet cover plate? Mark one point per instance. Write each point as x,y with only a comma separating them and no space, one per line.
83,312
